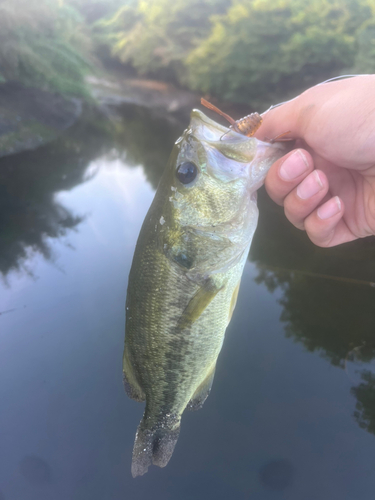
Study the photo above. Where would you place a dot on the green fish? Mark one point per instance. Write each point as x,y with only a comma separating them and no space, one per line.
185,277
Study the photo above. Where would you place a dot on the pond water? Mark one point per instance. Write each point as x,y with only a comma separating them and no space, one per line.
292,411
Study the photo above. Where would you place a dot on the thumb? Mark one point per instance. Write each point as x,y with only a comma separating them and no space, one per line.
282,119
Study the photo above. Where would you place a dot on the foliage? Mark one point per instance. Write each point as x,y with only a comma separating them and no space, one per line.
266,50
155,36
255,51
258,51
42,43
365,57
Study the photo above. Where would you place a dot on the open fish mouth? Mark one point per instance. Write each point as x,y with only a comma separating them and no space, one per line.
231,155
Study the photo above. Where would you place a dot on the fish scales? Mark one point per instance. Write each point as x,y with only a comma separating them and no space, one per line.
185,276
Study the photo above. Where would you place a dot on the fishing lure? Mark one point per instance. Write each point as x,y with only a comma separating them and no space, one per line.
247,125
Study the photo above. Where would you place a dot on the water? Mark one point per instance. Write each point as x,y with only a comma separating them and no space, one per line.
292,412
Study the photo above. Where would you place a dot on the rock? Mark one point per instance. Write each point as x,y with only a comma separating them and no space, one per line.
31,117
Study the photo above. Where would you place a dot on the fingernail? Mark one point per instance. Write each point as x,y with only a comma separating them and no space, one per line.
294,166
310,186
330,208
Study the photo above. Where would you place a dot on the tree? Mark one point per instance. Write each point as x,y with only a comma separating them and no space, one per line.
155,36
39,42
263,51
365,57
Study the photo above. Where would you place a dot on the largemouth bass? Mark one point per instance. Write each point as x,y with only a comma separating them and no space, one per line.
185,276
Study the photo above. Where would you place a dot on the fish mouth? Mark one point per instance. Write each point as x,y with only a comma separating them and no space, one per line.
231,155
231,143
225,141
204,128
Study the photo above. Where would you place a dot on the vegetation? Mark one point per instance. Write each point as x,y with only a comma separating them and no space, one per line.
42,44
156,36
267,50
255,51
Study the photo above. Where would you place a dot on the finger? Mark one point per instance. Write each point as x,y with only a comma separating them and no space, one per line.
277,121
297,116
286,173
326,227
305,198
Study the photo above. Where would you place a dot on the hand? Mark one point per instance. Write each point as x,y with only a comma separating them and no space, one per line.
327,185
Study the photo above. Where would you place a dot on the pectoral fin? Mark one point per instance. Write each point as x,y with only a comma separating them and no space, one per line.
198,304
202,392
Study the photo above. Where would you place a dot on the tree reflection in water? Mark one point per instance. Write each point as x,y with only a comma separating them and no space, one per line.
29,213
147,139
365,407
328,296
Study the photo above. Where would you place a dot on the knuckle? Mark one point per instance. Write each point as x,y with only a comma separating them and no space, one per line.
323,243
294,218
273,189
318,234
298,223
294,211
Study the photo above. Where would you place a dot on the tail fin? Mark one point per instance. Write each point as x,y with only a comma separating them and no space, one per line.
152,446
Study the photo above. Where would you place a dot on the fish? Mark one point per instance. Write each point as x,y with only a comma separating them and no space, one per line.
185,277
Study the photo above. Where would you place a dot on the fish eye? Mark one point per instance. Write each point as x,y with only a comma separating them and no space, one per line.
186,172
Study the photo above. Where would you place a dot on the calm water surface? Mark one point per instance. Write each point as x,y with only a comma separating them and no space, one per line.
292,411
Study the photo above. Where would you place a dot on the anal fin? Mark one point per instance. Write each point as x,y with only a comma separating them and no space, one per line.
233,301
132,388
202,392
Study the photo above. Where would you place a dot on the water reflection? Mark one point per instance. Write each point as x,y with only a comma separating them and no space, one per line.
29,211
365,407
60,356
147,139
328,296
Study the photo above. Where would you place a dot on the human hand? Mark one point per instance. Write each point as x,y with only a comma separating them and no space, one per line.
327,185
